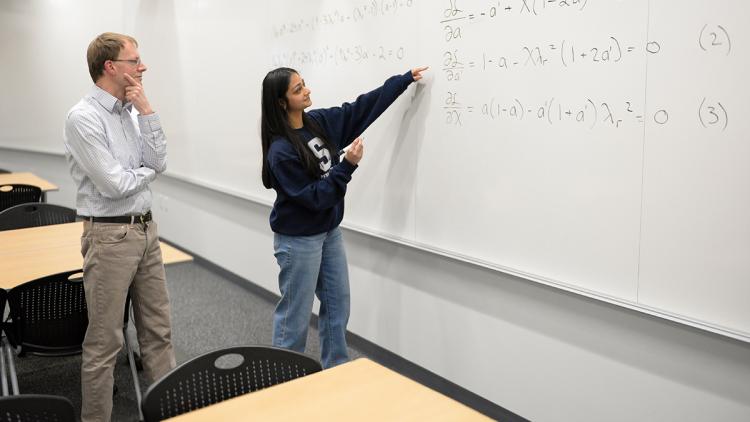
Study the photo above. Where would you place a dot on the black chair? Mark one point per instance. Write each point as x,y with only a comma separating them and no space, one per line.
4,380
34,215
3,299
14,194
48,316
3,171
220,375
36,408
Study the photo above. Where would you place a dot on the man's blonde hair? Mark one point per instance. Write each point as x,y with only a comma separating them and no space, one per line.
105,47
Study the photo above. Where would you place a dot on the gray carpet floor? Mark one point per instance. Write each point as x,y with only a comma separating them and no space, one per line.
208,312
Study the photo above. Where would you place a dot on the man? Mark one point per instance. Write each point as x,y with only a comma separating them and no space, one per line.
113,156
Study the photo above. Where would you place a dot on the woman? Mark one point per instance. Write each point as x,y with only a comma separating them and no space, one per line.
301,162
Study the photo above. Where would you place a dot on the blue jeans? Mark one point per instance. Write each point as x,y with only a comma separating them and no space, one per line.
312,265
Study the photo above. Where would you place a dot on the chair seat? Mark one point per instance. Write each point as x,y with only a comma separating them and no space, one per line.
36,407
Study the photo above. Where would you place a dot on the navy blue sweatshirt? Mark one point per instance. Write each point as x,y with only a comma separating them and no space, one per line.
304,205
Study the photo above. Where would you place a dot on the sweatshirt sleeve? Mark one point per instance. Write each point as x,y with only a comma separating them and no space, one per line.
343,124
315,195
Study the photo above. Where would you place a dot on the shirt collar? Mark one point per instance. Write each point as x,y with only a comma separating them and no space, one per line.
108,101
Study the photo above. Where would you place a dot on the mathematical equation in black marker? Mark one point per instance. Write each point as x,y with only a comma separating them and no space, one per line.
454,12
564,53
588,113
337,55
359,13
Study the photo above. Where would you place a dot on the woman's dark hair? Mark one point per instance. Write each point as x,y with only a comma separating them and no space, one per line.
275,124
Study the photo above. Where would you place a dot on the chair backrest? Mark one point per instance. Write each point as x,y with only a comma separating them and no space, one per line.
14,194
34,215
36,408
48,316
3,299
220,375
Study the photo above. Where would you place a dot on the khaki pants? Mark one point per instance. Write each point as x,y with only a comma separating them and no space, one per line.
118,258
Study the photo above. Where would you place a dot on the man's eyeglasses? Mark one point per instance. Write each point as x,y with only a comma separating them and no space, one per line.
134,62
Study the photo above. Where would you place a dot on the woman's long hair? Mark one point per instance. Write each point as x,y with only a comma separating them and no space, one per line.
275,124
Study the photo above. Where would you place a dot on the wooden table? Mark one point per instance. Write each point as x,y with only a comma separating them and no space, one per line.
27,254
360,390
28,179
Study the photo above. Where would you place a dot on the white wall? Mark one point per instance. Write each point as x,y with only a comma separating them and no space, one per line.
542,353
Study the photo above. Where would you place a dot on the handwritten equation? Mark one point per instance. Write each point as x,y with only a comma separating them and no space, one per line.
496,9
338,55
357,13
598,54
554,54
455,17
587,112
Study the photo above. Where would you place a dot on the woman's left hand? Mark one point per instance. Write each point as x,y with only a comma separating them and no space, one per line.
416,73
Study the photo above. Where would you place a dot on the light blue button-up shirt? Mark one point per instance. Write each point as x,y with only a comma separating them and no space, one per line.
113,154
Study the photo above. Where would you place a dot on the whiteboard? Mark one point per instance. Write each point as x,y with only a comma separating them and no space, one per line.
598,146
695,239
585,144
